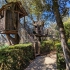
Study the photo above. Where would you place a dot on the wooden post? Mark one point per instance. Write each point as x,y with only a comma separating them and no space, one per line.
39,45
24,22
17,38
37,48
8,39
18,22
34,49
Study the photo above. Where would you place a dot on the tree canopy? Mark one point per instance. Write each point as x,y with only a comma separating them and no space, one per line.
39,6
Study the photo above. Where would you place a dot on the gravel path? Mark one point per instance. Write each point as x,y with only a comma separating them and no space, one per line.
44,63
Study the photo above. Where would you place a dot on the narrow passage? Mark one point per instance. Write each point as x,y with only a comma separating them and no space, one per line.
47,62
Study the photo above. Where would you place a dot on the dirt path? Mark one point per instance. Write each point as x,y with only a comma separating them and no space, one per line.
44,63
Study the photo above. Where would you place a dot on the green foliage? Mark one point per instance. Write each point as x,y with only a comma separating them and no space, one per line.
46,42
12,0
60,62
33,6
60,58
47,46
16,57
2,46
20,45
36,7
67,28
61,65
68,40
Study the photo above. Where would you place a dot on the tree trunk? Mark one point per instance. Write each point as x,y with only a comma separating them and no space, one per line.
62,34
17,38
13,41
9,43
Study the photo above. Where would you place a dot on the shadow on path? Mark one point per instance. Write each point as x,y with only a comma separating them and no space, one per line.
43,63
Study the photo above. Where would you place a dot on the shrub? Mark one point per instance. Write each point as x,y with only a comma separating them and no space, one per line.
46,46
56,41
68,40
3,46
16,57
49,45
60,58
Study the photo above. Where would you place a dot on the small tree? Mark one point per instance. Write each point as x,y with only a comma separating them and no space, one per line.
64,44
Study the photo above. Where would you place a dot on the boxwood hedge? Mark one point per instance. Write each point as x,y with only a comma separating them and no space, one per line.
16,57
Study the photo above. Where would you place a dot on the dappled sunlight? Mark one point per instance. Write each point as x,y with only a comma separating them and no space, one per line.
43,63
47,60
51,58
51,67
38,63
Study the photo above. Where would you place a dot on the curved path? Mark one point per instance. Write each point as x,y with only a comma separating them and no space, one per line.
47,62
